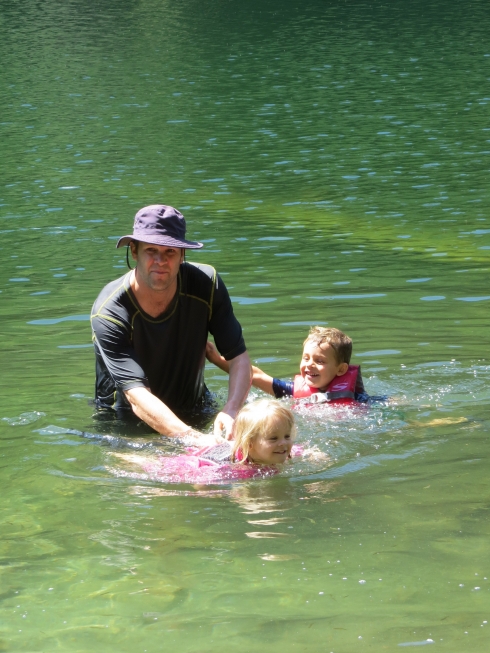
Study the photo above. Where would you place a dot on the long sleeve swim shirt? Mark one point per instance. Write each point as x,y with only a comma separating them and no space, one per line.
165,354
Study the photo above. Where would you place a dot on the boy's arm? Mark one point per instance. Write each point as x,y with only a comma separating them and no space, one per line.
214,357
260,379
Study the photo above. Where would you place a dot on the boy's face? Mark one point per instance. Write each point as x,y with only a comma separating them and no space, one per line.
319,366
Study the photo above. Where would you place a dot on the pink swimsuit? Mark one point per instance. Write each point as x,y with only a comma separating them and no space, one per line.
198,466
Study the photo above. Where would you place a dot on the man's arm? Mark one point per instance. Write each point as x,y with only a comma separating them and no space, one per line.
238,387
228,337
157,415
154,412
260,379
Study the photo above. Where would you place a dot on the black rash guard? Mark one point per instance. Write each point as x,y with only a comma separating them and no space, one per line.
165,354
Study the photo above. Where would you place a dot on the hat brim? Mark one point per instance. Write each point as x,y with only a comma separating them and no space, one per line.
163,241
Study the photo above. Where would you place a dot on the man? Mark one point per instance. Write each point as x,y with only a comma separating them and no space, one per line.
150,329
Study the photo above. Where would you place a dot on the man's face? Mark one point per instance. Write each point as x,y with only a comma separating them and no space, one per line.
319,366
157,265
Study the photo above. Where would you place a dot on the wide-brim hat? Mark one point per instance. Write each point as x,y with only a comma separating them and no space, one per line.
159,224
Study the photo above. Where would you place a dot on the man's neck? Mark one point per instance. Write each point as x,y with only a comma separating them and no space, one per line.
153,302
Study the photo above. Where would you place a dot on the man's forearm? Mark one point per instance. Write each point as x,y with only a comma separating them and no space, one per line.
154,412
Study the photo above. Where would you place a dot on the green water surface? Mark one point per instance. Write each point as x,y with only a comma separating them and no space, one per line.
334,159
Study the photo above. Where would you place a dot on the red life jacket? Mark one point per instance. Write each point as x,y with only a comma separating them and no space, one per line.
342,390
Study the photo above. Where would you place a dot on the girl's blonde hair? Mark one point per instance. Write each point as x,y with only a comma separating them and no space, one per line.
259,418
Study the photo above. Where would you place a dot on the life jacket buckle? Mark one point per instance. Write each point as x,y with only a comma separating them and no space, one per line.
318,398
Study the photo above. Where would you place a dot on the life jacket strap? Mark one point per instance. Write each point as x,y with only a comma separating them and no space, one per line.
325,397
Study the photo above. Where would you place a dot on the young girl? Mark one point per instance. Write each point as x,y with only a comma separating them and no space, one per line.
264,435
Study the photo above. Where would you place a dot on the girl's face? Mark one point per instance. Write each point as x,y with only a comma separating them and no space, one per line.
272,448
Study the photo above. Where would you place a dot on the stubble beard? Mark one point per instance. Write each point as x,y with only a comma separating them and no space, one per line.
156,285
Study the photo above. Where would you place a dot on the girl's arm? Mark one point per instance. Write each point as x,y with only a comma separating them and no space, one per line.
259,380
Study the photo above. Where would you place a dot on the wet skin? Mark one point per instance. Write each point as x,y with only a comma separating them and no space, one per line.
319,366
157,265
272,448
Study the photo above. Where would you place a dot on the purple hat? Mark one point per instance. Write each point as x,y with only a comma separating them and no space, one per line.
159,224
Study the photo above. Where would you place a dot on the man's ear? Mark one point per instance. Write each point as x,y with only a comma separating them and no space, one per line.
343,367
134,250
182,255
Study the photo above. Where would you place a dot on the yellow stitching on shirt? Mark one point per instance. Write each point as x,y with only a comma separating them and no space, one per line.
110,296
133,319
213,283
215,280
109,319
200,299
151,319
106,317
154,321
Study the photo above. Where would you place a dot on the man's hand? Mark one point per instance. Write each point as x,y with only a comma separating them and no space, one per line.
223,426
198,439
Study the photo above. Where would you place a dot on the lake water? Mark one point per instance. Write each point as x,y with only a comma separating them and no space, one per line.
334,158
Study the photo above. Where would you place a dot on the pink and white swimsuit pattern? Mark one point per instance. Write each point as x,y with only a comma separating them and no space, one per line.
210,464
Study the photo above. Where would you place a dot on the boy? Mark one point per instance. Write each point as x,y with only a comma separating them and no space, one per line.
325,372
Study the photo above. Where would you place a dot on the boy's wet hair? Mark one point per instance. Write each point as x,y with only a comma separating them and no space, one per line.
339,341
259,418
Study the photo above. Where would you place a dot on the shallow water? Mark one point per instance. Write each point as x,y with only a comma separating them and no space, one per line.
334,160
